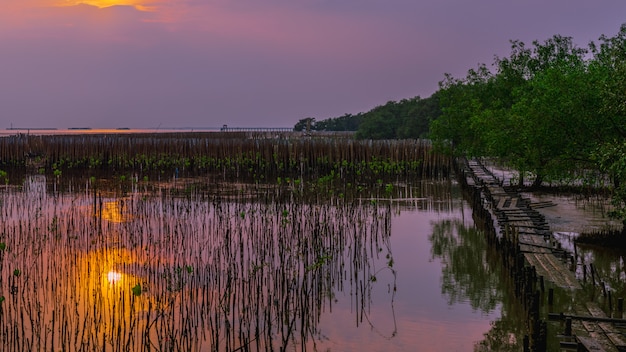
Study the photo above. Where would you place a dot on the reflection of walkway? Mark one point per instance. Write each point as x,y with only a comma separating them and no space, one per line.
516,218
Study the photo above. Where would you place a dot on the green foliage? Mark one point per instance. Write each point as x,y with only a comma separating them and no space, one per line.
137,290
612,160
4,176
407,118
381,122
458,128
319,262
3,246
419,113
306,124
347,122
551,110
284,217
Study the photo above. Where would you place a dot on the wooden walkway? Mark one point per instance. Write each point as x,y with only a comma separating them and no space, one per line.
535,238
591,329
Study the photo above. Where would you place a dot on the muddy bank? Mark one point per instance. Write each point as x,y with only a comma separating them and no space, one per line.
565,212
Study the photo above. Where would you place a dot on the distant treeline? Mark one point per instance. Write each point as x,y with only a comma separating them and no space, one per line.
551,110
404,119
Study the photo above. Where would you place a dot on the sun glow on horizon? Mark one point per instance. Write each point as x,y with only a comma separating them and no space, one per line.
141,5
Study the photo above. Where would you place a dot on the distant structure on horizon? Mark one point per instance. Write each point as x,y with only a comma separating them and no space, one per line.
225,128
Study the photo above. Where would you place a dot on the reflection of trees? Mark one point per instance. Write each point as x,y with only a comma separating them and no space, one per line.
507,333
610,268
472,271
466,274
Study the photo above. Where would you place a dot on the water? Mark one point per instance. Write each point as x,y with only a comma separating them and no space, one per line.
164,267
422,314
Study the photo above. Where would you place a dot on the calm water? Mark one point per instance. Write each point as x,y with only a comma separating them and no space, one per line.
164,266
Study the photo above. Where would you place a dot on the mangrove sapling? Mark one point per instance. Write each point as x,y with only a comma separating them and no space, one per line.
4,177
201,153
137,290
226,244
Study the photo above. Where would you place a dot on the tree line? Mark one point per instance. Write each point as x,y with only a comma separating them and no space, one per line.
550,110
404,119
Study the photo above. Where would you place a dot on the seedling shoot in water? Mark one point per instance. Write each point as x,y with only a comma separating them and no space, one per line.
137,290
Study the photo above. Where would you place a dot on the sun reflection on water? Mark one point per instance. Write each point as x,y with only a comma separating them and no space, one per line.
115,212
114,277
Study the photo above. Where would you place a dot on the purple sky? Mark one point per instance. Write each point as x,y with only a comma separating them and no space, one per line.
255,63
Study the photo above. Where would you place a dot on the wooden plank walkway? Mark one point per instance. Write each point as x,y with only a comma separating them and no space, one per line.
591,331
535,238
605,328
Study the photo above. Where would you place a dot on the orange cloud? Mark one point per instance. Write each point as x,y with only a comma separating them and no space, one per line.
141,5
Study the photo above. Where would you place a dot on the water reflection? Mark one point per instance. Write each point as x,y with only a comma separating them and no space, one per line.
114,211
466,274
603,272
472,272
186,273
169,266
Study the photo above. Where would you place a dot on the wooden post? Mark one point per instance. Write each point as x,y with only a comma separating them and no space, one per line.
593,276
536,304
568,327
551,296
526,343
620,306
543,336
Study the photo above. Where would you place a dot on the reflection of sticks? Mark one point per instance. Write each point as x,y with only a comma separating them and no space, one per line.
393,294
393,311
149,326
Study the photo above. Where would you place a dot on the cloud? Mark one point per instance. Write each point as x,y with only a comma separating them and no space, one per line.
210,62
141,5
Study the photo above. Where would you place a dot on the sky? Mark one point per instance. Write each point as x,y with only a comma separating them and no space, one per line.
255,63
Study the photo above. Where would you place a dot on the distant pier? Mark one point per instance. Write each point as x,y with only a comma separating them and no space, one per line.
32,129
226,128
